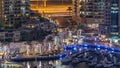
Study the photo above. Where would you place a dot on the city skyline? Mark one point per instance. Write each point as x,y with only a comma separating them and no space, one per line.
59,34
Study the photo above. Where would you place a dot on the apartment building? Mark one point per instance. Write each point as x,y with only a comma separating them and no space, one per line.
99,12
14,11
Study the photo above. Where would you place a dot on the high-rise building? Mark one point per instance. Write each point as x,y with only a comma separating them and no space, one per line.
1,11
76,8
84,10
105,12
115,17
14,11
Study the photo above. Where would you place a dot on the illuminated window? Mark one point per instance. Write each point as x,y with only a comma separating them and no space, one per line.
114,11
23,10
23,1
11,8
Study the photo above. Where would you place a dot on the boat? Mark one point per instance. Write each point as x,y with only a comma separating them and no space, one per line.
10,64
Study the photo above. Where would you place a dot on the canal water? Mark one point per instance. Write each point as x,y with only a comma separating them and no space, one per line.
51,64
45,64
55,64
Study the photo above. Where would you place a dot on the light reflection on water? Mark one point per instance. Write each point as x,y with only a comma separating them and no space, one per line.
52,64
45,64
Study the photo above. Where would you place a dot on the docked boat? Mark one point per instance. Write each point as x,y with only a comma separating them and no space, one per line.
7,64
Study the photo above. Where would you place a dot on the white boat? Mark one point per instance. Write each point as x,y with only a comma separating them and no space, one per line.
11,64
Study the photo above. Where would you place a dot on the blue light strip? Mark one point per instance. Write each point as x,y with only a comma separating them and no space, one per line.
92,47
61,56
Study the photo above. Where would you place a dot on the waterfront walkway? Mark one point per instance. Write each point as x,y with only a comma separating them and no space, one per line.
38,58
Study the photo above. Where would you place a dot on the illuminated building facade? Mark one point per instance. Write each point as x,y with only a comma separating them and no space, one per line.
13,11
111,18
75,7
1,10
105,12
84,9
115,16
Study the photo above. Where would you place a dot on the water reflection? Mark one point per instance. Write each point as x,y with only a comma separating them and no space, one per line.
45,64
48,64
28,65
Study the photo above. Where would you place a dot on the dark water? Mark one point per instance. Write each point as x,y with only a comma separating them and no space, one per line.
56,64
45,64
51,64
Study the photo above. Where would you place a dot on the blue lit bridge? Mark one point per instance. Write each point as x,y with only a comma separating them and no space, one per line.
94,56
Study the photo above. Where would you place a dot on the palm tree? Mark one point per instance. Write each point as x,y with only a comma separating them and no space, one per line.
69,9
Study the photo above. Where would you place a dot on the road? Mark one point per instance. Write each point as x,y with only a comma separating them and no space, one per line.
53,11
52,8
